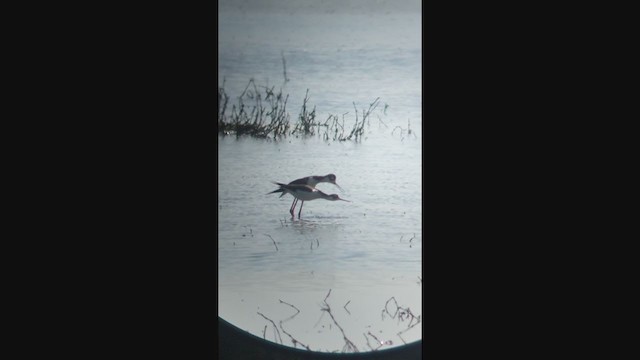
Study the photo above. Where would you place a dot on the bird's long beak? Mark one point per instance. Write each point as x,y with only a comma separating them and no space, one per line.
338,186
344,200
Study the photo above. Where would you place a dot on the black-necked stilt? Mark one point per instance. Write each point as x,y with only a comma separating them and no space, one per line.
311,181
304,193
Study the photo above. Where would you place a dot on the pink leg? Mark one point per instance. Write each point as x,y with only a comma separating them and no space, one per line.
293,207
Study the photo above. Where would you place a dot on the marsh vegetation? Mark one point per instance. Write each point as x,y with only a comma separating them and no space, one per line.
261,112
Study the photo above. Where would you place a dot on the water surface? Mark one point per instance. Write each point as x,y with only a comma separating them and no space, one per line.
364,254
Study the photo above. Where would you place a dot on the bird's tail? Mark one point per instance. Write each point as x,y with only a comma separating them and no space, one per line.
281,190
277,191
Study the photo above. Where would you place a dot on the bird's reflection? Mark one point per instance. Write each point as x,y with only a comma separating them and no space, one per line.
304,226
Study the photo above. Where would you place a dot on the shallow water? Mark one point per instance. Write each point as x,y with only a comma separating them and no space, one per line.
365,251
364,254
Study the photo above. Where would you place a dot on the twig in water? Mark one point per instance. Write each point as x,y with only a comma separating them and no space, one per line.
276,331
409,129
387,310
381,122
403,314
274,242
380,343
326,297
408,328
298,311
401,338
321,315
284,67
345,307
293,340
349,345
366,338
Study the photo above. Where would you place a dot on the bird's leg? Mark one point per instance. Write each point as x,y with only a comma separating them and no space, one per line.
302,203
293,207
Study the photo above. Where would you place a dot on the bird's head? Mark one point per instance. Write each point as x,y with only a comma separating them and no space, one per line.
334,197
332,179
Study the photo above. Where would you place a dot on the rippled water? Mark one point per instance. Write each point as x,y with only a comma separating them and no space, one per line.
365,254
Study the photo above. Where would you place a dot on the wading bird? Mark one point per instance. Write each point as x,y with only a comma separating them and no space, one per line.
304,193
311,181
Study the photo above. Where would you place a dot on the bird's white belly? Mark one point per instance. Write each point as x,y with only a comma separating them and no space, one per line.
306,196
